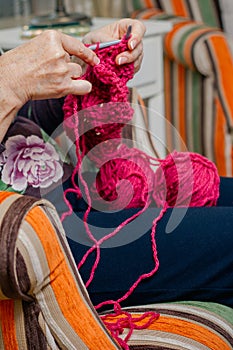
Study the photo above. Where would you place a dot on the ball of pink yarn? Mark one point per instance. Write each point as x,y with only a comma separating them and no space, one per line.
126,181
186,179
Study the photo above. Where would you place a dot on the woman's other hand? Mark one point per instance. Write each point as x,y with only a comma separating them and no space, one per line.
117,30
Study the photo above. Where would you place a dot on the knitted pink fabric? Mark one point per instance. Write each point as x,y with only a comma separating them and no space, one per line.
105,110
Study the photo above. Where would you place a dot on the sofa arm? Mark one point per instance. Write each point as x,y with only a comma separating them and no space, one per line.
209,52
39,278
188,43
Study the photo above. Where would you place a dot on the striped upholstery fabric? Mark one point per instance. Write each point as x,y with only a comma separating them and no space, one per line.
191,325
43,303
206,11
198,80
199,90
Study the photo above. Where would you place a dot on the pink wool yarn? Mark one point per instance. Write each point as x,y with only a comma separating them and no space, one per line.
183,179
126,180
186,179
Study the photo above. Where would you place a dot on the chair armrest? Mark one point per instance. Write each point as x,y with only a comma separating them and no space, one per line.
209,52
38,269
188,44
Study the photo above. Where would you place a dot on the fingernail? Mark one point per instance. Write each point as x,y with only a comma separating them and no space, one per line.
85,85
122,60
96,60
132,44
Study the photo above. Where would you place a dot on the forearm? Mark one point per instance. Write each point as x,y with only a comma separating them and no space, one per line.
9,107
11,95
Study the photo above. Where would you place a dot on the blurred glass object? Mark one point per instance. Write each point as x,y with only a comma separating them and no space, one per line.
76,24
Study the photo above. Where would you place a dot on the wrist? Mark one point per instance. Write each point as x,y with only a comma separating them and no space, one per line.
8,111
10,103
12,85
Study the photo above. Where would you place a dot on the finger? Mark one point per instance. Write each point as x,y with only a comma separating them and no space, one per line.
97,37
138,31
130,56
80,87
67,57
75,70
75,47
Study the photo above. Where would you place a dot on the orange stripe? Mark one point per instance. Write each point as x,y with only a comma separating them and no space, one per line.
219,139
190,330
186,329
7,321
181,105
149,3
149,13
64,287
169,37
224,66
4,195
223,57
180,8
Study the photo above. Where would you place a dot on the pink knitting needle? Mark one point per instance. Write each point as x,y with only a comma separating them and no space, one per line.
110,43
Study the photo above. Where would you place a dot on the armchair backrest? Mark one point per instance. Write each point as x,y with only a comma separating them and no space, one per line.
207,11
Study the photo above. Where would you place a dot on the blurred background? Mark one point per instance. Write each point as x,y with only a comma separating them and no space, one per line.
25,8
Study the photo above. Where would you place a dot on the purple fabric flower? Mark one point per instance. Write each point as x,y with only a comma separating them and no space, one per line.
30,162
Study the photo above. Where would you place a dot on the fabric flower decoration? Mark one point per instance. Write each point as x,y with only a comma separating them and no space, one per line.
29,161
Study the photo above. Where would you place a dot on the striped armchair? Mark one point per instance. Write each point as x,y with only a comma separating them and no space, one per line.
198,77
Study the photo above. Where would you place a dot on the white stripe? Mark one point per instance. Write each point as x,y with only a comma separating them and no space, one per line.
42,300
165,339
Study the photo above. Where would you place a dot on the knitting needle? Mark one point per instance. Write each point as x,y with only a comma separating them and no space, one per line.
110,43
103,45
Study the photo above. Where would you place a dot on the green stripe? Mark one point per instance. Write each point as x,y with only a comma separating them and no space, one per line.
165,16
208,12
221,310
137,4
182,40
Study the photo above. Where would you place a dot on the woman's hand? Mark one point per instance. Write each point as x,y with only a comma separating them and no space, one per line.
117,30
42,68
